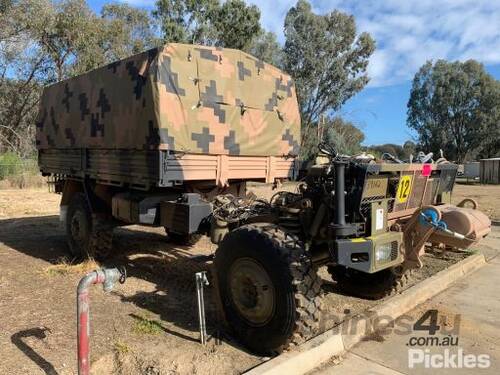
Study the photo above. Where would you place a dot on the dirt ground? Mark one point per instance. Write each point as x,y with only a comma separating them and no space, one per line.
146,326
487,197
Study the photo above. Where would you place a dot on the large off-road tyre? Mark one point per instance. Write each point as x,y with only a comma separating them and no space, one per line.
270,291
372,286
87,237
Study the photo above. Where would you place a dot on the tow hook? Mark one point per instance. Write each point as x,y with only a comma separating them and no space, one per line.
108,277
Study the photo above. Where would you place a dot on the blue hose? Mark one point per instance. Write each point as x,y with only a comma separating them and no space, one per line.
430,217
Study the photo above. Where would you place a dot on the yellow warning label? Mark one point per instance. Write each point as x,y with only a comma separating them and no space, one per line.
404,189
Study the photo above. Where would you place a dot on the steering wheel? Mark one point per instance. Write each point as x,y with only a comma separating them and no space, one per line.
327,149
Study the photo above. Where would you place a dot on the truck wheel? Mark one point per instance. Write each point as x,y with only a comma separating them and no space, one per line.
373,286
87,238
268,287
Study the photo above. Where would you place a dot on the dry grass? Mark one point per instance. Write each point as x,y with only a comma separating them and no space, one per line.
29,202
65,267
23,181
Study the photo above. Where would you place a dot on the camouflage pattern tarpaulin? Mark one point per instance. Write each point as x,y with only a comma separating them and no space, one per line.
186,98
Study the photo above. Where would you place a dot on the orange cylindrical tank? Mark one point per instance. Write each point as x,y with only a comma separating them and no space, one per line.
471,223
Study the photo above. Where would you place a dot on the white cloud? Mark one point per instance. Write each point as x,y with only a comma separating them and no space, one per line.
407,32
410,32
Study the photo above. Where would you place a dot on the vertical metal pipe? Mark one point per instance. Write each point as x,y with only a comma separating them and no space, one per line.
340,193
201,280
108,277
83,333
83,321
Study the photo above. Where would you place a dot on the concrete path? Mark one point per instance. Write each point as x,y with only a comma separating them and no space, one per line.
469,312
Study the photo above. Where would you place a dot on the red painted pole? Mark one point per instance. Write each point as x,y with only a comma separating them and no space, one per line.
108,277
83,333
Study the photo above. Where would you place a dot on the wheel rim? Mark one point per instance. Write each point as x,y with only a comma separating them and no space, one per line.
252,291
78,226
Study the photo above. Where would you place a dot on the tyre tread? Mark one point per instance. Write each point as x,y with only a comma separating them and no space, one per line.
304,280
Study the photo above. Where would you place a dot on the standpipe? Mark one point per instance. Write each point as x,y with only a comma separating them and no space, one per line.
107,277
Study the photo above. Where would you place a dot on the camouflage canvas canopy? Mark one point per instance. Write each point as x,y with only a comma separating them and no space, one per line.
186,98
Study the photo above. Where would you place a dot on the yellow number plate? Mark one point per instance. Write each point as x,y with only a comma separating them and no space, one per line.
404,189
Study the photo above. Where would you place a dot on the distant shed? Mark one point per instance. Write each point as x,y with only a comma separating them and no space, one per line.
471,169
489,171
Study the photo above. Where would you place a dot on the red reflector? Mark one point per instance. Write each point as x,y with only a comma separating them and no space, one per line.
426,170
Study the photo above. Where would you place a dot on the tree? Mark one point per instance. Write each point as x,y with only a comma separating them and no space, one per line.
69,37
237,24
326,59
22,69
232,24
492,148
129,30
389,148
409,148
187,21
455,107
18,108
42,41
265,47
343,135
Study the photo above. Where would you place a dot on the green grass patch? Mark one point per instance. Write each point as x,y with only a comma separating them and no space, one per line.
146,326
121,348
18,172
12,164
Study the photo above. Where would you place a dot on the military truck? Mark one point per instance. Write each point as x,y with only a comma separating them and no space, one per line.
121,139
170,137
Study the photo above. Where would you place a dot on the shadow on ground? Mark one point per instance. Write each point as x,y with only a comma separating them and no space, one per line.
38,333
146,255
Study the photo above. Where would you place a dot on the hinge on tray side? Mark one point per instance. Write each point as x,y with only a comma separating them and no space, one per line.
163,181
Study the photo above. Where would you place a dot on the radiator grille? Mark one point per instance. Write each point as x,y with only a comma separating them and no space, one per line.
394,250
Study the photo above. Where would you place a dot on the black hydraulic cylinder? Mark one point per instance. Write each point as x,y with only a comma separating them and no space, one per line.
340,228
339,193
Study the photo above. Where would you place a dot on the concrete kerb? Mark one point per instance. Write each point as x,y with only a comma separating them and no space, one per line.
343,337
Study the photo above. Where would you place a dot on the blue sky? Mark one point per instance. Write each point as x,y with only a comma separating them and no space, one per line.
407,32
